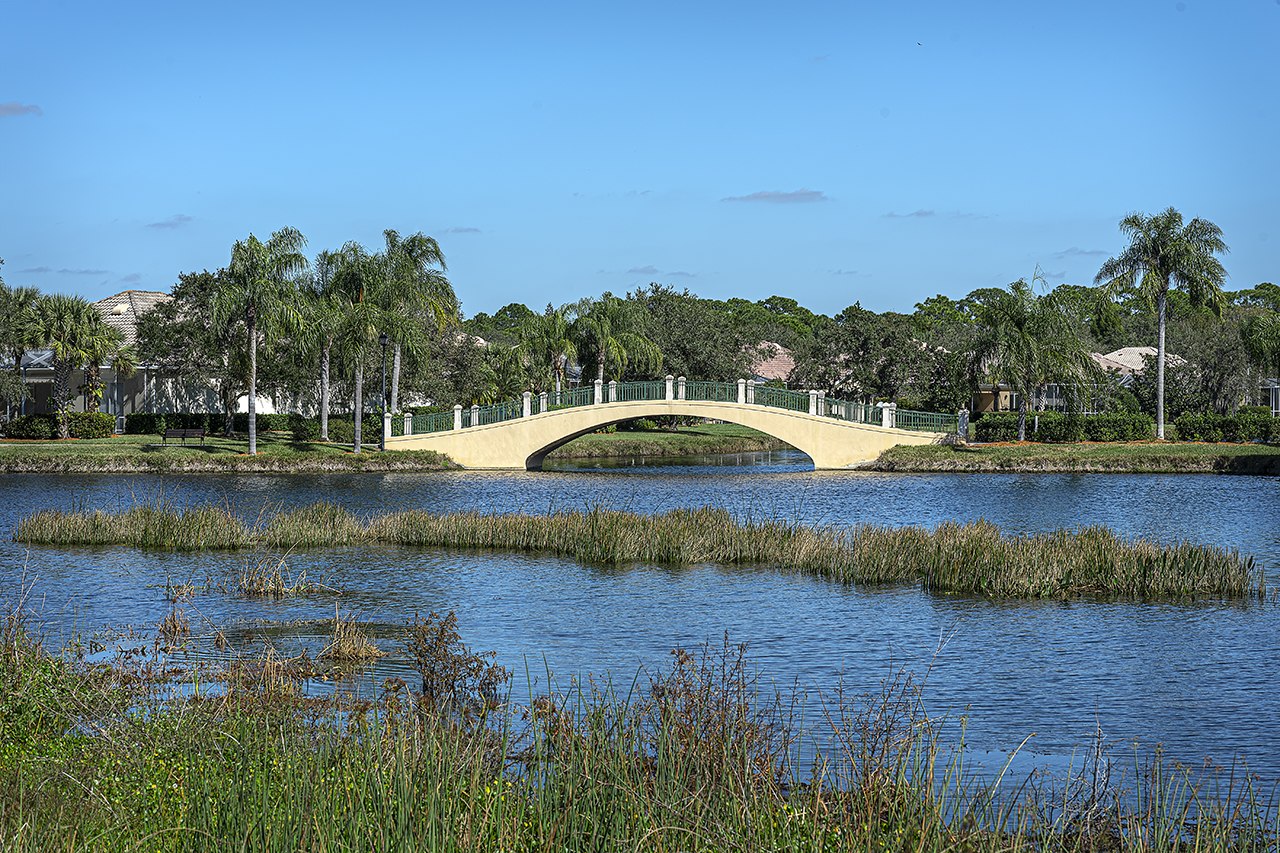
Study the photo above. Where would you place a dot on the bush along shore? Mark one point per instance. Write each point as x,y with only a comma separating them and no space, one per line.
107,757
1150,457
961,558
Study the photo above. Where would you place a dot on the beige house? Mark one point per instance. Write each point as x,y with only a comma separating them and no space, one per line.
146,390
1125,363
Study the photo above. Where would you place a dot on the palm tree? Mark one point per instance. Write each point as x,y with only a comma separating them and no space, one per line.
607,330
17,330
417,297
1262,338
1027,341
323,319
260,288
359,279
1163,253
546,341
76,334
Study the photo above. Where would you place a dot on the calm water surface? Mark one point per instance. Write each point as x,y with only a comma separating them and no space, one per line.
1199,678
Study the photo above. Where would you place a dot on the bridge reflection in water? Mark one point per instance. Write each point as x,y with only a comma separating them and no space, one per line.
518,434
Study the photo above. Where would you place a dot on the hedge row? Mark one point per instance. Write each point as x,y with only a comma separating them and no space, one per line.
1057,427
150,423
80,424
1252,423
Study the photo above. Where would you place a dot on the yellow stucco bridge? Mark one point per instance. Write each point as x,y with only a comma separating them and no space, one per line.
519,434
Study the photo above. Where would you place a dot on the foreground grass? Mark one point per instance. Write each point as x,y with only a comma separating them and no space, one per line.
97,758
964,558
146,454
699,440
1147,457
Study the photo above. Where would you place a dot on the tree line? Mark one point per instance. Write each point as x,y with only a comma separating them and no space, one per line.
274,319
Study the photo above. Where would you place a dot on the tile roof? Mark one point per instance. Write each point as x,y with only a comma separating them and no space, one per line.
772,361
123,310
1128,361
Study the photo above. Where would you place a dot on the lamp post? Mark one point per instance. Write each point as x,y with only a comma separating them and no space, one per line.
23,404
382,431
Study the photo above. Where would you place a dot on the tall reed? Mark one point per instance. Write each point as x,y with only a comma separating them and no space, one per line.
972,558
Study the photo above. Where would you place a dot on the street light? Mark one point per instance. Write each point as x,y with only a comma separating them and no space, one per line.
382,429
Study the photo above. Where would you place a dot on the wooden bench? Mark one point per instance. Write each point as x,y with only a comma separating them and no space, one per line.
184,434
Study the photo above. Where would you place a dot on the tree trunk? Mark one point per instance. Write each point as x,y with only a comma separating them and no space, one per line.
1160,321
359,406
228,408
62,396
600,366
395,379
1022,419
253,384
324,389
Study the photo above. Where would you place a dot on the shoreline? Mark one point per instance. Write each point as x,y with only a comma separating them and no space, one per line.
1145,457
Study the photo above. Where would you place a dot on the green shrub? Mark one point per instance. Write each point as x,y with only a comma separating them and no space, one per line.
305,429
266,423
1199,426
192,420
91,425
31,427
1118,426
144,423
996,426
343,431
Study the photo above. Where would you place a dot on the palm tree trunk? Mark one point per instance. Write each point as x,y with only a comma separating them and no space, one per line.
324,389
253,385
395,379
600,366
1160,323
228,408
61,382
359,405
1022,418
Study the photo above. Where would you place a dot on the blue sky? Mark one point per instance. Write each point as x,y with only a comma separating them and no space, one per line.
831,152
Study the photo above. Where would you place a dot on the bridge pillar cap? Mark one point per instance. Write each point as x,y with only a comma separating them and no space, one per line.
669,376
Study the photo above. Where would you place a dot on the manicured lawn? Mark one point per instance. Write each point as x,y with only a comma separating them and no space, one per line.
686,441
1137,457
143,453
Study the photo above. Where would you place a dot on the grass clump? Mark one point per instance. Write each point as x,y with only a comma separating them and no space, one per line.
269,577
961,558
349,644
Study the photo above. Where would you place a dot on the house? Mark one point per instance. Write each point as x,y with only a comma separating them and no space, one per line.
146,390
1271,392
1124,363
771,362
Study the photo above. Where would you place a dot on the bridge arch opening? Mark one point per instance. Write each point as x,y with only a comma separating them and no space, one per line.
535,460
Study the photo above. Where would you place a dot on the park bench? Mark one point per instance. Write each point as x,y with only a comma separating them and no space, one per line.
184,434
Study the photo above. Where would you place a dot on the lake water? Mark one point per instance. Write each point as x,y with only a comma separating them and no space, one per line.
1198,678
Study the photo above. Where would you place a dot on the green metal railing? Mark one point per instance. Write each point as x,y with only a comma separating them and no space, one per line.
718,392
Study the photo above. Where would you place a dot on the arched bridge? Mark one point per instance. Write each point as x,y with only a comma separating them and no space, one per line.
519,434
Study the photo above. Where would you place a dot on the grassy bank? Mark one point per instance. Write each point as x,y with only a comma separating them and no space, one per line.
99,758
698,440
139,454
1148,457
965,558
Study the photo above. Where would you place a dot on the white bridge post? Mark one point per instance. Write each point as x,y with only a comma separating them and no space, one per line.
751,392
822,403
526,404
742,391
680,393
813,402
386,428
599,392
613,390
457,416
408,423
542,402
671,387
475,414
